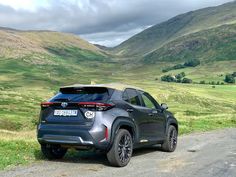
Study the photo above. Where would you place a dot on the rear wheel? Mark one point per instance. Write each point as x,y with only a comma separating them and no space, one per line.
121,150
53,151
170,142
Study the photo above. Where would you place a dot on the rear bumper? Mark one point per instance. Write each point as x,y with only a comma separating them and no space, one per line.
72,135
64,140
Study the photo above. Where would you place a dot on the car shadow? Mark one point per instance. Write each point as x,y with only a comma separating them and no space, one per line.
93,157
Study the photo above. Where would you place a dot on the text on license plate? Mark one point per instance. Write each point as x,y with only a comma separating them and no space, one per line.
65,112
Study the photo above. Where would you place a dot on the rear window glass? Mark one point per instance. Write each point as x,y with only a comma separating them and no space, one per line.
84,94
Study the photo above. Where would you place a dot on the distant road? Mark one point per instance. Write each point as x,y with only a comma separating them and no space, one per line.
211,154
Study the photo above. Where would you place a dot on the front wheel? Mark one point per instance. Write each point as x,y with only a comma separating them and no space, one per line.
52,152
170,141
121,150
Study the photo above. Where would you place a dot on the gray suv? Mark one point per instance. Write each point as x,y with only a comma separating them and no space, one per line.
113,118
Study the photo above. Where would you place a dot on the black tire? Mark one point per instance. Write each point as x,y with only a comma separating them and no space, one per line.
170,142
121,150
52,152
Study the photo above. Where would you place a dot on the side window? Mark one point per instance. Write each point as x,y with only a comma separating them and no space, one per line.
133,96
125,96
148,101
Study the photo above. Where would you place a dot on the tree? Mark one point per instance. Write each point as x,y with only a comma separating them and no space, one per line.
192,63
180,76
229,78
178,66
168,78
186,80
234,74
202,82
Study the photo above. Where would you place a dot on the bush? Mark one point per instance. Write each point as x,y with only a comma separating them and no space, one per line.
168,78
180,76
234,74
189,63
192,63
186,80
165,70
213,83
202,82
229,78
178,66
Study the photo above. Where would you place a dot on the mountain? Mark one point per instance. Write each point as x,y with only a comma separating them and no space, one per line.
215,44
176,31
38,45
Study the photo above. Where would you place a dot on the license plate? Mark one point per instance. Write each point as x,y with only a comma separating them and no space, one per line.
65,112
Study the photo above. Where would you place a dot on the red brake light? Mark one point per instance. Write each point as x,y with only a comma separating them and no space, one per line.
106,133
46,104
98,106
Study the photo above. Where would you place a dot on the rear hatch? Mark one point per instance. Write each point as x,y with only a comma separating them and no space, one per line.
76,105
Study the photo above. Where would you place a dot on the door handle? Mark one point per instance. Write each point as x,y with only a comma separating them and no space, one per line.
129,110
151,114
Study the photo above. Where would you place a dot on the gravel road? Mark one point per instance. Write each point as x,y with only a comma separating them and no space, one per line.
211,154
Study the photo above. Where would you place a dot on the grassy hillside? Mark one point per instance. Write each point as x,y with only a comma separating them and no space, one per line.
163,33
215,44
34,63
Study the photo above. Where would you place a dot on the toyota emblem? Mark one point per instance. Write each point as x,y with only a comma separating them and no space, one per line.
64,104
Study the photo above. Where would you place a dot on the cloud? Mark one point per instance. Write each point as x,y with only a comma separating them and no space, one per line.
106,22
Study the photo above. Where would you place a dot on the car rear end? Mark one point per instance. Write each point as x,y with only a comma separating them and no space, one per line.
72,118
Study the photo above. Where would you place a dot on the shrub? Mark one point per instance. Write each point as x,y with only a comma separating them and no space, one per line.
234,74
178,66
202,82
192,63
165,70
213,83
229,78
168,78
186,80
189,63
180,76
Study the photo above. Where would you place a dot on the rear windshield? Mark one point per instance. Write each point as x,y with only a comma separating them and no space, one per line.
71,94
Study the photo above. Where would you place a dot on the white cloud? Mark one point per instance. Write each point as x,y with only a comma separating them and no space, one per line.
30,5
106,22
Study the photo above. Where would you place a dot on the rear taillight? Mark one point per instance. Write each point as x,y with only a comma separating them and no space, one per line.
106,133
96,105
46,104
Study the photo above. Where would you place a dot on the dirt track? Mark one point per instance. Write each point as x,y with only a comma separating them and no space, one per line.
211,154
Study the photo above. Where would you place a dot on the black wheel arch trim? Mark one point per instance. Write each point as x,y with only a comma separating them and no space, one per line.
172,121
119,122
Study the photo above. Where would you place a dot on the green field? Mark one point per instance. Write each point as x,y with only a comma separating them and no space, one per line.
197,108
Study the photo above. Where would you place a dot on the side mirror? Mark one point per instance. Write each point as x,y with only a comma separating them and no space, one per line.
164,106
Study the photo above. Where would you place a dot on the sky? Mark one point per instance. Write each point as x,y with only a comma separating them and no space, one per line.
104,22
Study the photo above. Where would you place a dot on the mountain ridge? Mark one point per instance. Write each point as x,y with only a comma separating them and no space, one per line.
193,21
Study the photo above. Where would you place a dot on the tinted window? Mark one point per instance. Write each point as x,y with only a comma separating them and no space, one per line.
133,97
82,94
147,101
125,96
